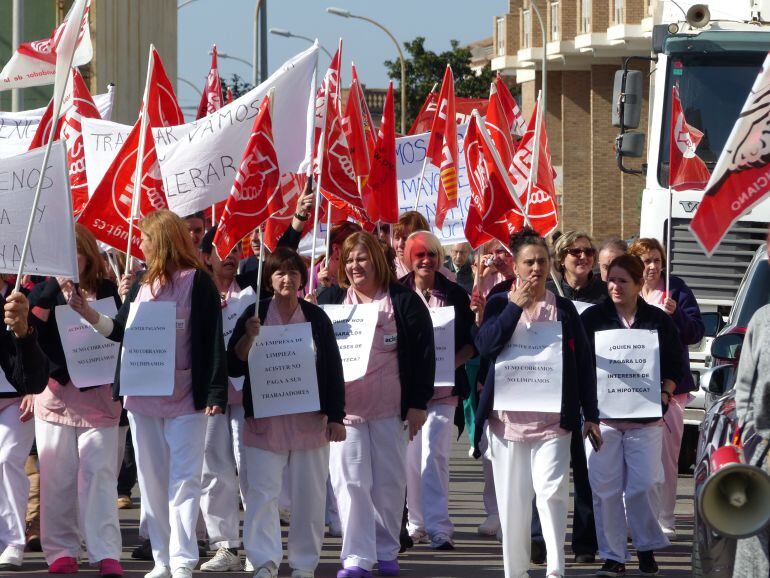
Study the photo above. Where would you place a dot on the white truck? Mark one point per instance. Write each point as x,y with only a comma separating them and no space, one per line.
713,51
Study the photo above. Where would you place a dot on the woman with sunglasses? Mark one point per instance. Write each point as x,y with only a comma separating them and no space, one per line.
575,260
427,458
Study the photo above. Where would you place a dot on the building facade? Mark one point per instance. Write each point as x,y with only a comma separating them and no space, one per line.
586,41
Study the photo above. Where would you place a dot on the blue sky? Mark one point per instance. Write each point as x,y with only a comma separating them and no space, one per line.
229,24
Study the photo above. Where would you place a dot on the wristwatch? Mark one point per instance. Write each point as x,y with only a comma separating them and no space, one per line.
301,217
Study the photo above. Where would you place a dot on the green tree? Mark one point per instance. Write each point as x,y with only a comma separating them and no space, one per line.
424,68
238,85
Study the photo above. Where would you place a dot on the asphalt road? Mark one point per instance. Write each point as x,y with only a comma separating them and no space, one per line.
474,556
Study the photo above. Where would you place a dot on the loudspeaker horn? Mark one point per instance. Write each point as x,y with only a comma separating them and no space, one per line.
698,15
735,499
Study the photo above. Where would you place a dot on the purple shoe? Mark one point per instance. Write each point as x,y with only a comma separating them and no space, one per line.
388,567
354,572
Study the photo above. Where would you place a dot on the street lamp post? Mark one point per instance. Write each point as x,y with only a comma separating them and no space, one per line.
260,42
290,34
544,72
347,14
187,82
227,56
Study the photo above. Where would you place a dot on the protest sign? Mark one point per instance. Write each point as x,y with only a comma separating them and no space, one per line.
234,308
91,357
52,245
528,371
282,371
444,338
5,385
628,373
147,359
354,327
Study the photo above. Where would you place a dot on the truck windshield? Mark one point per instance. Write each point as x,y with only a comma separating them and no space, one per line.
757,293
713,88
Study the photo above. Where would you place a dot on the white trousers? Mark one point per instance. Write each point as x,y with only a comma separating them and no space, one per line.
489,498
169,461
78,481
308,472
368,472
526,470
15,442
673,429
623,475
222,472
427,473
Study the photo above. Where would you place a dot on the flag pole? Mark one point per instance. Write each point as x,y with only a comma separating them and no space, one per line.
424,162
477,279
328,230
535,151
668,239
316,215
137,193
57,105
260,263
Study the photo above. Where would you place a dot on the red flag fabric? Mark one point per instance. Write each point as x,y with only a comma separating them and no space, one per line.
255,194
516,123
330,84
353,125
162,106
40,137
229,95
741,177
442,148
291,186
211,98
381,193
491,202
464,107
497,125
371,136
543,211
685,169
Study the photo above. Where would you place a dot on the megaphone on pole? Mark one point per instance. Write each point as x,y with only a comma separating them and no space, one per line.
735,499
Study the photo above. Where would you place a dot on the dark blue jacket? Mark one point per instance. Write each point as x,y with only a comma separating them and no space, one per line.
690,326
578,370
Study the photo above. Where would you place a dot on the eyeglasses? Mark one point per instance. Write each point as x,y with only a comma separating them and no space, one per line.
577,251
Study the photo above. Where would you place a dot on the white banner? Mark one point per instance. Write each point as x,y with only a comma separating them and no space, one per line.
528,371
235,307
5,385
52,245
444,337
18,128
628,373
282,371
354,327
91,357
199,160
148,354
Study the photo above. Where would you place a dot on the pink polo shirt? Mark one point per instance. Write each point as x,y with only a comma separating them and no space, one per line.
377,395
486,283
286,433
530,426
180,402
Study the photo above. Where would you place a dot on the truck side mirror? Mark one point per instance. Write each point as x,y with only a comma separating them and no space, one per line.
630,144
718,380
713,323
727,347
627,96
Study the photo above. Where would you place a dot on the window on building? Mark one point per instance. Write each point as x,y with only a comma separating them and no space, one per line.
620,11
585,16
501,36
555,24
526,25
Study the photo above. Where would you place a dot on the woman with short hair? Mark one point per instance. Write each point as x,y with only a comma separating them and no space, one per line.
575,256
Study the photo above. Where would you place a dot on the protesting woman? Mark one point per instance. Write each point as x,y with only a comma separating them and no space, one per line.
368,469
624,473
683,309
23,371
76,430
298,441
530,449
427,496
575,259
169,430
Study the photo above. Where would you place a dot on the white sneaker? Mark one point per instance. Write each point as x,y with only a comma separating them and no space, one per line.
182,573
248,566
302,574
223,561
12,557
490,526
160,571
669,532
267,571
419,537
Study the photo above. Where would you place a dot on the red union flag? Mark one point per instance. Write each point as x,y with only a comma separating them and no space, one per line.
381,194
497,125
516,123
371,136
491,202
291,186
686,170
464,107
442,148
255,194
330,85
162,106
211,98
353,125
741,177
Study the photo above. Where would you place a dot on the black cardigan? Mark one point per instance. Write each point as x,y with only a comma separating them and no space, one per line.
331,383
604,316
415,349
22,361
47,296
209,369
578,370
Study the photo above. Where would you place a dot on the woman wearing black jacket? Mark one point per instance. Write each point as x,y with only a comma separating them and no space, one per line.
23,371
530,449
368,470
299,441
624,472
427,496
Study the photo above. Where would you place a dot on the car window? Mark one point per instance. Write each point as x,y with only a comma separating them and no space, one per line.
757,293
